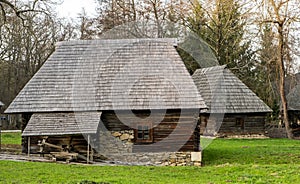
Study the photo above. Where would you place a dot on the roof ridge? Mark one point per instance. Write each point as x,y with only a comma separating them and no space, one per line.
119,41
213,68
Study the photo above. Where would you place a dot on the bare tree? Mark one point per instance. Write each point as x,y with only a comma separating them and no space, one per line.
19,8
116,12
144,18
26,42
87,26
282,14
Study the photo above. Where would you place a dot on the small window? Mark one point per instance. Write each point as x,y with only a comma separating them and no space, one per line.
143,133
240,122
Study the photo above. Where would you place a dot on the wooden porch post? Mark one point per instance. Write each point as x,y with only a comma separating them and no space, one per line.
88,149
28,148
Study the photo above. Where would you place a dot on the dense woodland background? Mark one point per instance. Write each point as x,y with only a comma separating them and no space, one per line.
257,39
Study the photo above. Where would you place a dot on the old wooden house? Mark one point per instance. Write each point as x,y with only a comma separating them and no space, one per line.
233,107
129,100
293,103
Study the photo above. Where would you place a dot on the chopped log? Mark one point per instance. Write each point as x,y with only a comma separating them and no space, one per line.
62,148
64,155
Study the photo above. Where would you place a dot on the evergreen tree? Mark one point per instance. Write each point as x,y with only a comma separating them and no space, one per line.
223,28
266,71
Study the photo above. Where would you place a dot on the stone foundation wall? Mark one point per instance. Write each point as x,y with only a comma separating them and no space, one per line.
160,159
117,146
123,135
111,143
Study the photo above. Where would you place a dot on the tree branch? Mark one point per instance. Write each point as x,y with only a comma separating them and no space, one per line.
17,11
3,12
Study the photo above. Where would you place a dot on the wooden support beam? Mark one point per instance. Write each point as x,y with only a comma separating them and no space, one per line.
51,145
88,150
28,149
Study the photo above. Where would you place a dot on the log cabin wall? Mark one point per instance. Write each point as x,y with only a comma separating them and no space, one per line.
237,124
294,117
225,93
161,129
121,138
255,124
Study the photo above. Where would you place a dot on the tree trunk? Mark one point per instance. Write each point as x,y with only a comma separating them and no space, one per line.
282,82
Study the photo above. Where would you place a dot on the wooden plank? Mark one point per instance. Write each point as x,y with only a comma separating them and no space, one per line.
28,147
161,130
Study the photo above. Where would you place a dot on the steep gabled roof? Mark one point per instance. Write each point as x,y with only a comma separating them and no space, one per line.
291,81
95,75
223,92
293,98
46,124
292,89
1,104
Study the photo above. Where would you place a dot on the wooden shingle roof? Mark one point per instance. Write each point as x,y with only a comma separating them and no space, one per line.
292,89
293,99
46,124
223,92
95,75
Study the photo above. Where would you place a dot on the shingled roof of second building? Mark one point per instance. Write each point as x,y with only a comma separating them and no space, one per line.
223,92
93,75
293,99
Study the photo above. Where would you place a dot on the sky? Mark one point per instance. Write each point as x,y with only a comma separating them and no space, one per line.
71,8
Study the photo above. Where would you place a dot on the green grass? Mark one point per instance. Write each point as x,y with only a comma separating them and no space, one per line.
225,161
11,138
252,151
57,173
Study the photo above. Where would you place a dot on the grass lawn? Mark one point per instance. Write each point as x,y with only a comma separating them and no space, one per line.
225,161
11,138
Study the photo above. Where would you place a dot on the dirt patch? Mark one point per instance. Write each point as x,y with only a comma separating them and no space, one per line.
247,136
21,157
12,148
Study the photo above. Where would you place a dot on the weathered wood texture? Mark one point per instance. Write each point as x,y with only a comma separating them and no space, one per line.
95,75
223,92
294,117
293,102
105,75
172,129
176,129
25,119
45,124
292,89
293,98
75,143
253,123
71,143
